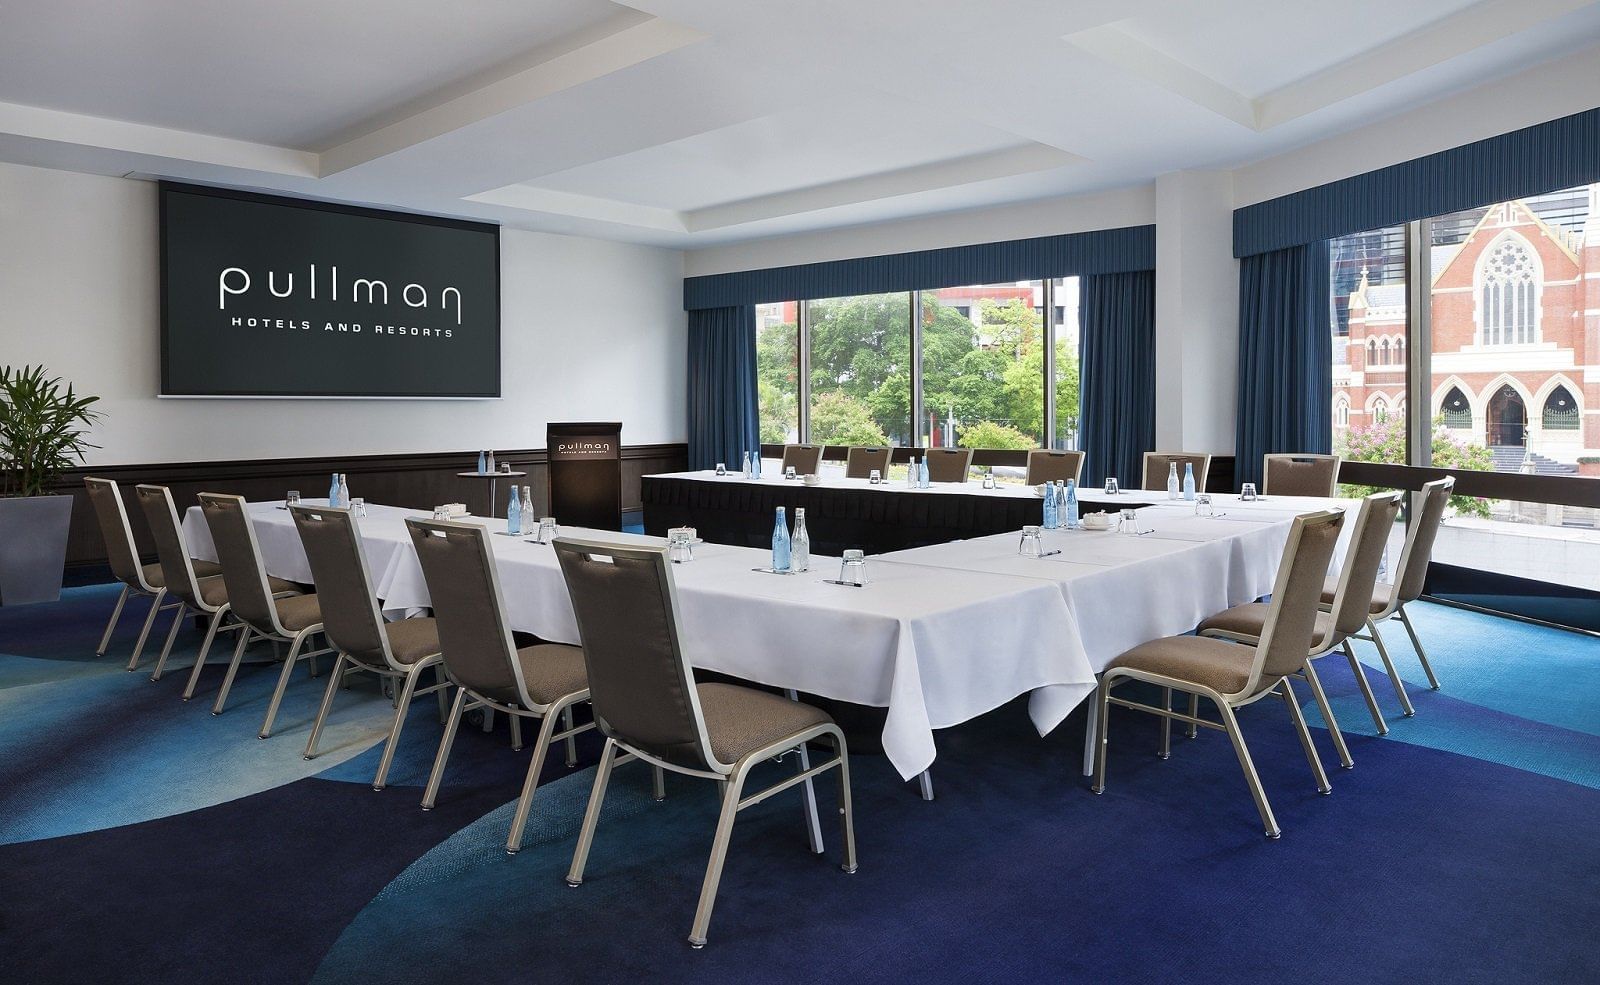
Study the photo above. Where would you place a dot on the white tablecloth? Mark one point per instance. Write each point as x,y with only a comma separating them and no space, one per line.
935,647
1125,590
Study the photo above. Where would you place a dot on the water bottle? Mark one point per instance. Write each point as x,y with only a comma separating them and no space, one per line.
1172,480
483,461
745,466
913,475
780,543
490,463
801,542
514,513
1188,481
755,464
529,515
1072,505
922,474
333,490
1052,519
344,492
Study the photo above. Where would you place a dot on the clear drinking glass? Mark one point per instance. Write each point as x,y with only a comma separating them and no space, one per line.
722,468
1129,522
874,477
1030,545
1202,505
680,549
1247,493
1111,486
548,530
440,513
358,506
853,567
293,498
505,466
788,473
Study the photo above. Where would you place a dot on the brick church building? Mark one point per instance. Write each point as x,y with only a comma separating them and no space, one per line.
1516,341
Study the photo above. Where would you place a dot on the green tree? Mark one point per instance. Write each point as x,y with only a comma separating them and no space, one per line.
1385,441
778,416
861,347
840,419
988,434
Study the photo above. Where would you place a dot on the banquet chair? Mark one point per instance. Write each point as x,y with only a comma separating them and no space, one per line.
860,461
1232,675
1390,598
1342,616
1053,465
1156,465
805,459
397,652
1300,475
949,464
138,580
649,706
541,681
255,602
205,596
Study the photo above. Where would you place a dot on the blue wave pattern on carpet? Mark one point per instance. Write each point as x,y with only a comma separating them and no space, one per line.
1461,848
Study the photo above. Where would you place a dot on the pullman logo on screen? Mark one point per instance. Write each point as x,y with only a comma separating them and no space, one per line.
241,298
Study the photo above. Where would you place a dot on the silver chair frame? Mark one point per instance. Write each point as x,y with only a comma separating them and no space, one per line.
275,632
730,777
139,588
1226,703
547,714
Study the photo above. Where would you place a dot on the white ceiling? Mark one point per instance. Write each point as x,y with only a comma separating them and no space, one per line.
698,122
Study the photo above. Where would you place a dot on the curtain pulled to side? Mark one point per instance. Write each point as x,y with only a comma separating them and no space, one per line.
1285,356
1117,317
722,385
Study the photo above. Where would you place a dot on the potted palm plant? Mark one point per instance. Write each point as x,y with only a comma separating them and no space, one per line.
43,425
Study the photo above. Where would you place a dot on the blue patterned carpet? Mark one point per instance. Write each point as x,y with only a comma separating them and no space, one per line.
144,840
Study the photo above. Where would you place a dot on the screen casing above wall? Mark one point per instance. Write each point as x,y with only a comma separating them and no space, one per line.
263,296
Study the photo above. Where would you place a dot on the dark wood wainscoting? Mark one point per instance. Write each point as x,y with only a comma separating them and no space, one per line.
419,481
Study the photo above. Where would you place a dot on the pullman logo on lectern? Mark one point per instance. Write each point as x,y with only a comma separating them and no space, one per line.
577,449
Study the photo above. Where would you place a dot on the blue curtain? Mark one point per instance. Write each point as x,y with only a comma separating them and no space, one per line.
722,385
1558,154
1070,254
1117,321
1285,356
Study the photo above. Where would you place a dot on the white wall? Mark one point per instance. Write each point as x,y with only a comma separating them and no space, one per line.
79,292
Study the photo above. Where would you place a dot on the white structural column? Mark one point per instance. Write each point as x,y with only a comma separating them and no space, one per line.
1197,312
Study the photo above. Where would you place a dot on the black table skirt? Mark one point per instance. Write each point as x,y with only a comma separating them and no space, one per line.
876,521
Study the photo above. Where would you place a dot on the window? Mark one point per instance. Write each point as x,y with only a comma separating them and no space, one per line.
1341,412
983,366
860,379
1368,280
1508,295
1454,410
1560,411
844,370
778,371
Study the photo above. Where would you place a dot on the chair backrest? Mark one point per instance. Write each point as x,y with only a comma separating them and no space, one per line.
172,549
859,462
1296,597
240,556
1157,463
1413,570
1300,475
641,685
1352,600
949,464
474,639
350,616
1050,465
806,459
112,514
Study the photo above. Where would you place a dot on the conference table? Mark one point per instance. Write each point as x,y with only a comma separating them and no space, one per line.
846,513
939,635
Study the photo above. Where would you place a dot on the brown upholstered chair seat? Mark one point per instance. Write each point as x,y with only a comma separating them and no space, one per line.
298,612
1250,619
1222,666
1380,594
202,569
551,671
214,592
411,640
740,720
